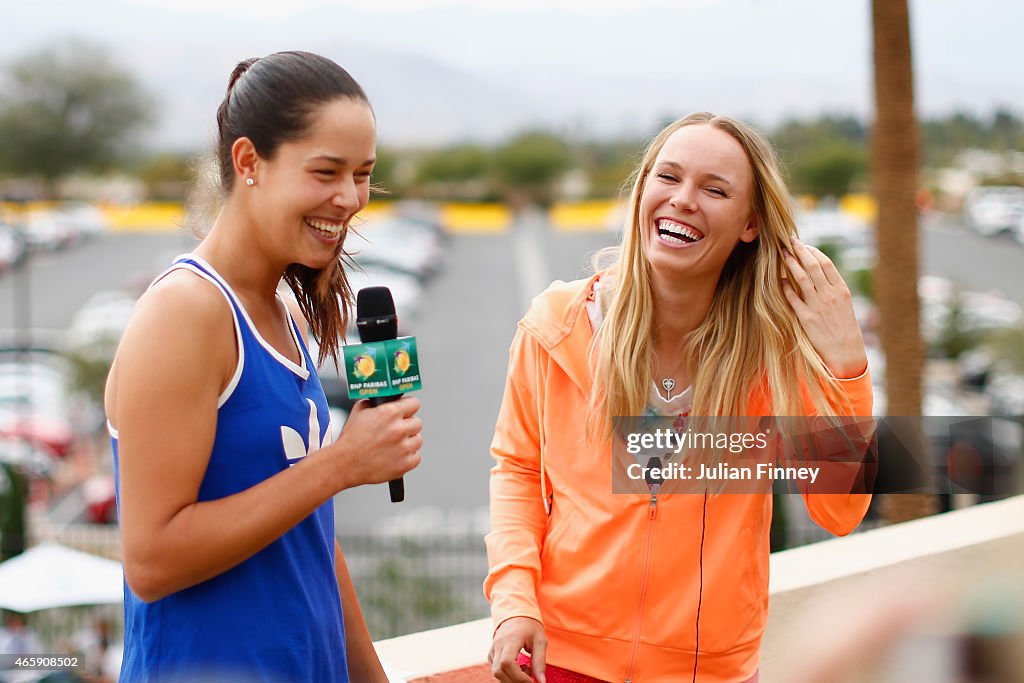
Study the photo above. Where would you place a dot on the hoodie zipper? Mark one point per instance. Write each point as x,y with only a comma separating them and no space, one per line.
652,516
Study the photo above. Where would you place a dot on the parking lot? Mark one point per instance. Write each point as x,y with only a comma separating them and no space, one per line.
464,320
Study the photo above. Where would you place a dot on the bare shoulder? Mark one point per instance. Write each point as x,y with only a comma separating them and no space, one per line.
178,308
181,336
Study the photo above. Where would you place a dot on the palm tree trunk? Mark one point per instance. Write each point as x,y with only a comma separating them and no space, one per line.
894,173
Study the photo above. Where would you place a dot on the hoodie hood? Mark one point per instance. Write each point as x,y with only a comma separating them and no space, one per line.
558,320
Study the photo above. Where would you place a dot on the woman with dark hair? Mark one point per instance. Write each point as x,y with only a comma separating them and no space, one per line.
712,308
224,461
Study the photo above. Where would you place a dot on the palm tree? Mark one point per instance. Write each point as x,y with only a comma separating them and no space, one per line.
894,173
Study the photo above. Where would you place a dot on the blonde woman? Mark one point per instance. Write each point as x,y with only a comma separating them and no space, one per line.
713,308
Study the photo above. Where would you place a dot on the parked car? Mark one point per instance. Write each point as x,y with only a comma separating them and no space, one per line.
53,433
405,289
88,221
406,246
31,457
993,210
48,230
835,227
12,247
37,404
975,366
979,311
1006,392
103,319
1018,230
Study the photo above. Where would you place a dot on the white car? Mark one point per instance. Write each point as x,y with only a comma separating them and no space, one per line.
1006,392
993,210
12,247
1018,230
835,227
48,230
402,245
102,320
405,289
87,219
979,310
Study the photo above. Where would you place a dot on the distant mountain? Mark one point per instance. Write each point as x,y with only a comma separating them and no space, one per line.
422,101
417,100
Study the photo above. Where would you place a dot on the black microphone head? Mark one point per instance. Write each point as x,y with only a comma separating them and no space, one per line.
375,314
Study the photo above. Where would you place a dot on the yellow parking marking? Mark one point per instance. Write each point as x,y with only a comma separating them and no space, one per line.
377,209
589,216
146,217
462,219
862,206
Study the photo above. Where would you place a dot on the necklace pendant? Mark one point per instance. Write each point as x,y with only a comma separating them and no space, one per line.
668,384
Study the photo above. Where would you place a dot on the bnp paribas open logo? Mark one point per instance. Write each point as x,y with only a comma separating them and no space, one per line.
384,368
402,361
365,368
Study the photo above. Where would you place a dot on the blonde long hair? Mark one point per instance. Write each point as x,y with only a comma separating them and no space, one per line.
751,336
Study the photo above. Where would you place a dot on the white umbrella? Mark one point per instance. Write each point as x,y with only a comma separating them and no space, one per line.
52,575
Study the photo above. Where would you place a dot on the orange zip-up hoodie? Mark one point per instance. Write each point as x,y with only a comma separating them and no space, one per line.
635,588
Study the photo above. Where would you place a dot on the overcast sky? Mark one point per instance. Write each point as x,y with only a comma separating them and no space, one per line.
440,70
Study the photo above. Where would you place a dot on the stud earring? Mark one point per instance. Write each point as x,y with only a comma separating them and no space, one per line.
250,182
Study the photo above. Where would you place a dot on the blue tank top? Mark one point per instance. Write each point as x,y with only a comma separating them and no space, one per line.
276,617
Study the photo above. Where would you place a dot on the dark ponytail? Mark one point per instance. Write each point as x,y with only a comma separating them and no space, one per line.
270,101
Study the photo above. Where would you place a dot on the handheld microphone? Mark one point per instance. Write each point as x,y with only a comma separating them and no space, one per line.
376,321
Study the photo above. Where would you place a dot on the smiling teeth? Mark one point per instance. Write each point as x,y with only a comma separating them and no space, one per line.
677,231
329,229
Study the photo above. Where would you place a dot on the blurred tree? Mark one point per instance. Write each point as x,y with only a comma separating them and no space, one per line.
1007,131
462,172
403,597
608,166
529,166
166,176
829,169
89,364
894,174
955,336
387,180
945,138
462,162
862,281
66,109
1007,346
794,137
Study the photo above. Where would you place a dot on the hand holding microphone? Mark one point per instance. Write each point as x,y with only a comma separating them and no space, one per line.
381,443
383,367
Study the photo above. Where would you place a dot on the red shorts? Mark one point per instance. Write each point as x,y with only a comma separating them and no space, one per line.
554,674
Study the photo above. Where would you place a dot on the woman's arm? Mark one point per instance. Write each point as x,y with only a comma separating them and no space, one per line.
170,368
518,519
824,306
837,501
363,663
